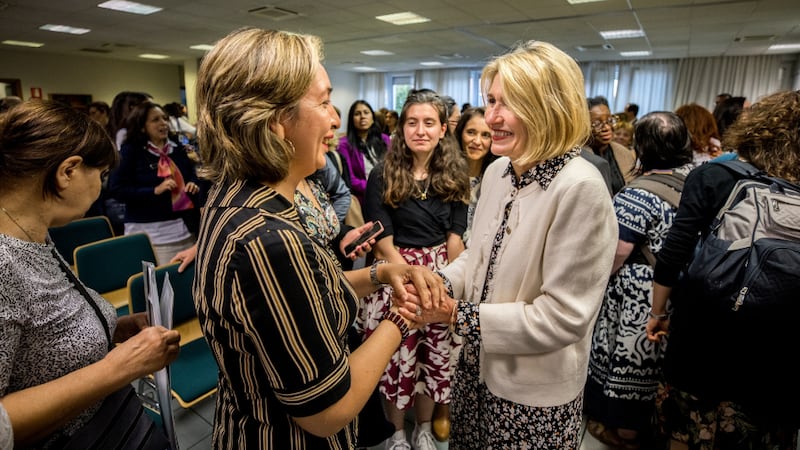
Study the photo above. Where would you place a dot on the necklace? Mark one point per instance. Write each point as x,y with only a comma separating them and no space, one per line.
423,195
20,226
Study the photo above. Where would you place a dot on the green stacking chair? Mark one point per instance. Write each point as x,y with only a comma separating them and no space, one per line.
106,265
194,372
78,232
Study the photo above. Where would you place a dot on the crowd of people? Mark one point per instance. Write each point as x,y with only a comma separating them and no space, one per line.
524,280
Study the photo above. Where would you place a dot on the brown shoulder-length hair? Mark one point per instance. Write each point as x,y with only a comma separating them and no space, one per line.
701,125
252,78
768,135
38,135
447,169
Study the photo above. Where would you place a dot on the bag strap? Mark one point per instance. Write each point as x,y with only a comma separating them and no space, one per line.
750,171
82,289
668,186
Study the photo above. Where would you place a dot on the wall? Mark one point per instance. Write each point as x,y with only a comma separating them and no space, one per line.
101,77
345,92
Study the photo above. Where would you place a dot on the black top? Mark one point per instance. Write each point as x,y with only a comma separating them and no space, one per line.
415,223
711,353
704,192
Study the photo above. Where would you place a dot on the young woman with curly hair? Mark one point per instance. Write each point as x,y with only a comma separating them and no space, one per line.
420,193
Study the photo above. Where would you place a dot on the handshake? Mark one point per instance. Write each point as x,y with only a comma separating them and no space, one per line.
420,295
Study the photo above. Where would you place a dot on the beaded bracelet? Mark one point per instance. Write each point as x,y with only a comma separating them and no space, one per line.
398,320
652,315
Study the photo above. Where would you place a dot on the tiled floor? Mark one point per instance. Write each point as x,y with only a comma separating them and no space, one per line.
193,426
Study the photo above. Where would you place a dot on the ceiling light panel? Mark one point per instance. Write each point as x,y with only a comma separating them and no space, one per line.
23,43
784,47
377,52
64,29
403,18
153,56
636,54
130,7
621,34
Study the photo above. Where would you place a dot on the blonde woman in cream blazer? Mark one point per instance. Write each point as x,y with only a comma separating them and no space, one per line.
529,286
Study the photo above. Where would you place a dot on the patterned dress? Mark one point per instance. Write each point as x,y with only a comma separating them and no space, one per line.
322,225
422,364
624,367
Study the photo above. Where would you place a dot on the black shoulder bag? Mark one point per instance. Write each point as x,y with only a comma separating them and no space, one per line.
121,422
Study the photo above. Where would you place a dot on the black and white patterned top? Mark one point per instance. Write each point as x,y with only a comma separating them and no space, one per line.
47,328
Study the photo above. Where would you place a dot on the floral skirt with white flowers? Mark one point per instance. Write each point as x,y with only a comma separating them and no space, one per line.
422,364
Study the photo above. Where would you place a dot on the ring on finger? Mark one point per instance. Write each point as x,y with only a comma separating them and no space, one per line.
419,311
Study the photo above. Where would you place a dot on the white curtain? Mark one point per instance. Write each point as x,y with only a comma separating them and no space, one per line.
374,89
648,83
700,80
600,78
452,82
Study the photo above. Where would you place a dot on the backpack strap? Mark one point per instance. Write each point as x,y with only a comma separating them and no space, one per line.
749,171
668,186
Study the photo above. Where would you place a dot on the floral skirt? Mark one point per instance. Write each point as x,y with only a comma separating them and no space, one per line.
422,364
707,425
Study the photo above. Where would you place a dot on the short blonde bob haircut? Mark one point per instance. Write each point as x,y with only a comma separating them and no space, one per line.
251,79
543,87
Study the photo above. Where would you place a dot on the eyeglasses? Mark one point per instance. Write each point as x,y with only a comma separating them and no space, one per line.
598,125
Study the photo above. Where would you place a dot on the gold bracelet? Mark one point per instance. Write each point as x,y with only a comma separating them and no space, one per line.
454,316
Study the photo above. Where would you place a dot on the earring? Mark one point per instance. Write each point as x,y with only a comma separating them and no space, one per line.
291,144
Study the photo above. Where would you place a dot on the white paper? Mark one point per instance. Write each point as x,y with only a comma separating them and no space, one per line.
158,310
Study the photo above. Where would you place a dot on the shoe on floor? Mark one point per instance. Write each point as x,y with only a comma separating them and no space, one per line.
423,440
441,422
397,444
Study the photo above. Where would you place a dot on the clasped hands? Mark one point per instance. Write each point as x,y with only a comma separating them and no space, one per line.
420,296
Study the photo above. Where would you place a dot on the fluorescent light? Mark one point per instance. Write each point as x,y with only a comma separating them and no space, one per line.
784,47
431,63
364,68
204,47
377,53
621,34
23,43
635,54
153,56
403,18
130,7
64,29
577,2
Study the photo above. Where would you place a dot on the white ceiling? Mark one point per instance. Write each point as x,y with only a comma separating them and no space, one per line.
461,32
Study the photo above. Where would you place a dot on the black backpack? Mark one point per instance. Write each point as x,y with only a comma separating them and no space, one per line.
749,263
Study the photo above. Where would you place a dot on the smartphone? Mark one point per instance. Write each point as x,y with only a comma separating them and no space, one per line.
377,228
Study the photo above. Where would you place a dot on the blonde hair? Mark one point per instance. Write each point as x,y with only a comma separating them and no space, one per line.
250,79
543,87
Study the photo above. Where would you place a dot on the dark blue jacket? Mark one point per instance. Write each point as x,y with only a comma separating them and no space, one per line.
136,178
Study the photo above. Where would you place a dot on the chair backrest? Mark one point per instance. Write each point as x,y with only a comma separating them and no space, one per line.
183,309
79,232
106,265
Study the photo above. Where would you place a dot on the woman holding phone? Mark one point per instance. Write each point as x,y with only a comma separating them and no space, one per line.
420,193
